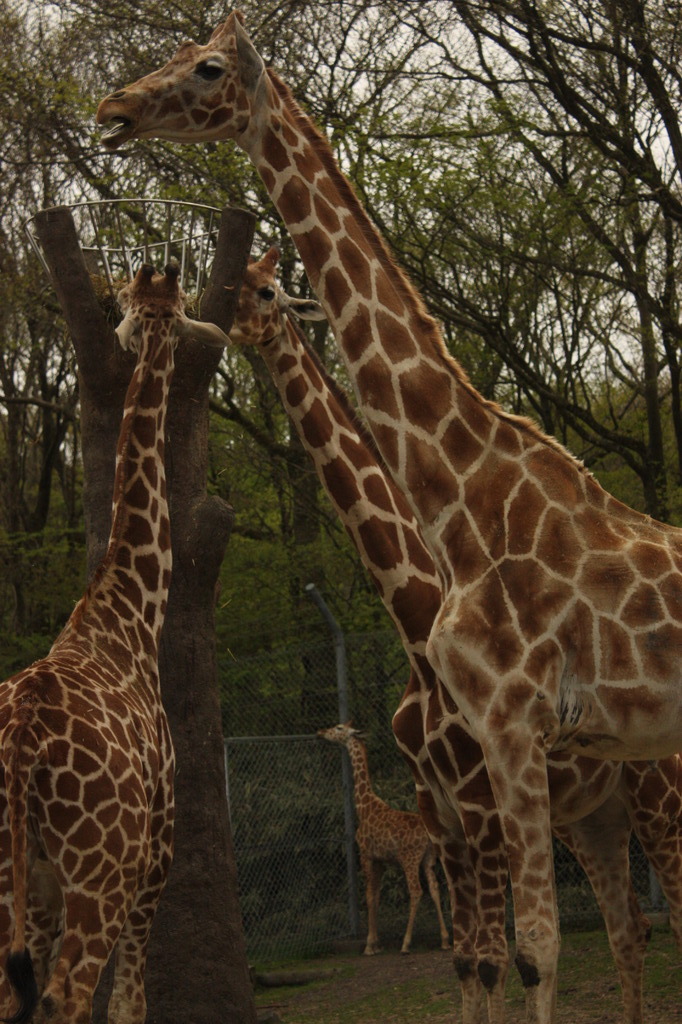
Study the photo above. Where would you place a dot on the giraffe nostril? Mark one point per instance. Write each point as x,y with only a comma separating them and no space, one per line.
118,95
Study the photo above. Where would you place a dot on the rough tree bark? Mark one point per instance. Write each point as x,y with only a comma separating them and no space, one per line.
197,970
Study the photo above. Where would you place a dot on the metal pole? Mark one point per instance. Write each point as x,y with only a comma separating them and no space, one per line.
347,773
658,901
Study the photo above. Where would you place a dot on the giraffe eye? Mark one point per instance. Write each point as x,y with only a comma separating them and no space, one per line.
209,70
267,293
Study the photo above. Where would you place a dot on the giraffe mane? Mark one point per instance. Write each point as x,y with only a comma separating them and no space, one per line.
347,192
131,405
407,292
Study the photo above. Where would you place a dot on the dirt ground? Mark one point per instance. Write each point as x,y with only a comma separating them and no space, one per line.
394,989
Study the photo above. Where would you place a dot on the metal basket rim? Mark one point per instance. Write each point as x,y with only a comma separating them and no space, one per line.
127,251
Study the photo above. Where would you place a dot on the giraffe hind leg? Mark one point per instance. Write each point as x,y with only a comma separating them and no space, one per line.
415,890
127,1004
373,871
44,919
434,889
91,930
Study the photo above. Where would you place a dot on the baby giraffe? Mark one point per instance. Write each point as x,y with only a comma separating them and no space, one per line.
86,758
385,835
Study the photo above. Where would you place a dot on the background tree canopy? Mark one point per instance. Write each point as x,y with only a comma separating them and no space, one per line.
523,160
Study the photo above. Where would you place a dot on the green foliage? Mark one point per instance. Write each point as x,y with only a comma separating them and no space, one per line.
541,249
41,578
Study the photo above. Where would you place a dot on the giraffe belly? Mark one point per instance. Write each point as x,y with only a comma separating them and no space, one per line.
625,722
579,785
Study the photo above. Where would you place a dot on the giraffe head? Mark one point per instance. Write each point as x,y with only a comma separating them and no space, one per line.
204,93
263,305
156,297
341,733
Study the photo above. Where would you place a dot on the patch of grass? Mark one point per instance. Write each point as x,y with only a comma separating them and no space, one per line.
390,989
416,1001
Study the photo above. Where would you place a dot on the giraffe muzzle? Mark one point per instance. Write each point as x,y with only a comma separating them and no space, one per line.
117,131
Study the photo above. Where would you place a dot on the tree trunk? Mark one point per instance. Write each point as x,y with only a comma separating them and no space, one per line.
197,969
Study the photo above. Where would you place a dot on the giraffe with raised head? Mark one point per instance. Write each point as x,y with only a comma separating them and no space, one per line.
594,804
386,835
561,618
86,826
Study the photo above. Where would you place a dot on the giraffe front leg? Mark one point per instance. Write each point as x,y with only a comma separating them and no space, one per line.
487,860
455,858
517,767
411,870
128,1002
665,856
8,1002
492,950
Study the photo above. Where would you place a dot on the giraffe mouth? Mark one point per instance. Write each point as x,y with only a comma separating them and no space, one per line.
117,131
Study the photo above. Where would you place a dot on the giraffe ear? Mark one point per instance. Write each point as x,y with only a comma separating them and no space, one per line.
305,309
250,61
272,256
126,330
207,334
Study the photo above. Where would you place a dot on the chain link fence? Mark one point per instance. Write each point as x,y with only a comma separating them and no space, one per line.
299,887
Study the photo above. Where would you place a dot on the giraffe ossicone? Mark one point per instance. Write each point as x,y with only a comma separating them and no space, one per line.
561,620
86,808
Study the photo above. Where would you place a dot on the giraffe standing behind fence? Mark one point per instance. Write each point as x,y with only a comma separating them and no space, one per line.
86,828
387,836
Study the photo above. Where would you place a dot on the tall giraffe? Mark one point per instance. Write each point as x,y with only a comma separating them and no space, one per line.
562,610
386,835
594,804
86,831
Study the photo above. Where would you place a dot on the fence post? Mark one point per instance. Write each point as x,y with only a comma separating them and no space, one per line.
656,897
348,804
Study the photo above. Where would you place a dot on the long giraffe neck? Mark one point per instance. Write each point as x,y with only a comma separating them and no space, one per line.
460,460
374,512
362,784
393,350
372,509
128,594
137,565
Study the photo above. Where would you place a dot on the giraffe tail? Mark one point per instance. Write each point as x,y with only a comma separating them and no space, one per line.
20,752
19,969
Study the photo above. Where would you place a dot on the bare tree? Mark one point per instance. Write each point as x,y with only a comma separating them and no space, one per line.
588,93
183,983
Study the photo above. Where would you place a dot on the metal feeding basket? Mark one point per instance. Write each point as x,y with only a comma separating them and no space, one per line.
118,235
